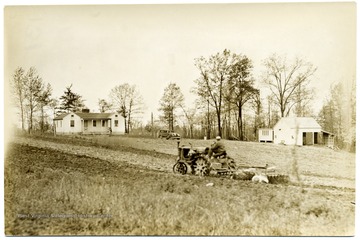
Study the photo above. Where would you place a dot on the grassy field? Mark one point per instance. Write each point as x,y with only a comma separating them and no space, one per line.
50,192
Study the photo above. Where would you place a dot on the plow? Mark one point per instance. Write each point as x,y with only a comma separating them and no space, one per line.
196,161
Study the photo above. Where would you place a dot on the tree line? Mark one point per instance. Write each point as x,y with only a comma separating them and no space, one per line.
30,95
226,88
231,101
33,98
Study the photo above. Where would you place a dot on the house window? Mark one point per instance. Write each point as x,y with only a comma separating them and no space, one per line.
61,123
116,123
116,115
72,115
72,123
265,132
86,123
103,123
94,123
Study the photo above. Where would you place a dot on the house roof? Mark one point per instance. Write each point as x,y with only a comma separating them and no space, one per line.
87,116
93,116
298,122
61,116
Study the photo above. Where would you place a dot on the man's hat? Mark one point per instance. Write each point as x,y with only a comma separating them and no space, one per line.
218,138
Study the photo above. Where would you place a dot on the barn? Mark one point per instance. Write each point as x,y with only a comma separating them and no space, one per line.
297,131
89,123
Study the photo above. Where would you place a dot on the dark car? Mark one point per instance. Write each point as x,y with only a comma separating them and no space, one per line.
163,133
173,135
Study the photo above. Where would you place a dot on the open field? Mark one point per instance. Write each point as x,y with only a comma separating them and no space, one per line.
316,165
121,186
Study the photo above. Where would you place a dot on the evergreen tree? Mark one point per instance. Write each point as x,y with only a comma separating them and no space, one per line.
70,101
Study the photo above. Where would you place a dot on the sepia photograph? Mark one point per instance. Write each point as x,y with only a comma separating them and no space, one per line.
179,119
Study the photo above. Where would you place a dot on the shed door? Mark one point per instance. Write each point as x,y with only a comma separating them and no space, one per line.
308,138
304,138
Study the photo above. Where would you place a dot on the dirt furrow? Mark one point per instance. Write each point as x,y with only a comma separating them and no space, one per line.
150,162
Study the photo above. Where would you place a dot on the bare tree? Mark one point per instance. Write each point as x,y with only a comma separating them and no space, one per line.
44,100
18,93
104,106
204,117
127,101
338,114
257,105
30,95
241,87
302,101
190,115
170,101
272,113
214,72
225,81
284,79
54,105
33,91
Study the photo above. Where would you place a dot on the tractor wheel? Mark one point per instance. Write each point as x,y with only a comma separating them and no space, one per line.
231,164
180,167
202,167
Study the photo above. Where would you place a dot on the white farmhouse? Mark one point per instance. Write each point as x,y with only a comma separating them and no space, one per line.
89,123
297,131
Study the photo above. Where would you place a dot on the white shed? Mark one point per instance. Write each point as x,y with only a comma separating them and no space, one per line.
297,131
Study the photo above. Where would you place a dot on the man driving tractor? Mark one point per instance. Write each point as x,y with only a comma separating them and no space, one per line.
217,149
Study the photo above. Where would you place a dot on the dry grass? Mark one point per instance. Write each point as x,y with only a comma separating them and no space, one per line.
127,200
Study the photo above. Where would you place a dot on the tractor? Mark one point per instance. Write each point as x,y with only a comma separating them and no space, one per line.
200,163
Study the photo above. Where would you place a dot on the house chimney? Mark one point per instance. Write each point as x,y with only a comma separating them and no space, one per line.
85,110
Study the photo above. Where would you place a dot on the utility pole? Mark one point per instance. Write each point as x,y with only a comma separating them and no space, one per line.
208,120
152,125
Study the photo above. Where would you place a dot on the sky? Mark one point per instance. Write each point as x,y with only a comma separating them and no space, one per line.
96,48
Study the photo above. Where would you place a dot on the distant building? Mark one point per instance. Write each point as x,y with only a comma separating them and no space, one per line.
296,131
265,135
89,123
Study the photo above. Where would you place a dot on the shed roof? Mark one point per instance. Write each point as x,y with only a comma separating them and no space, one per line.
328,133
298,122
